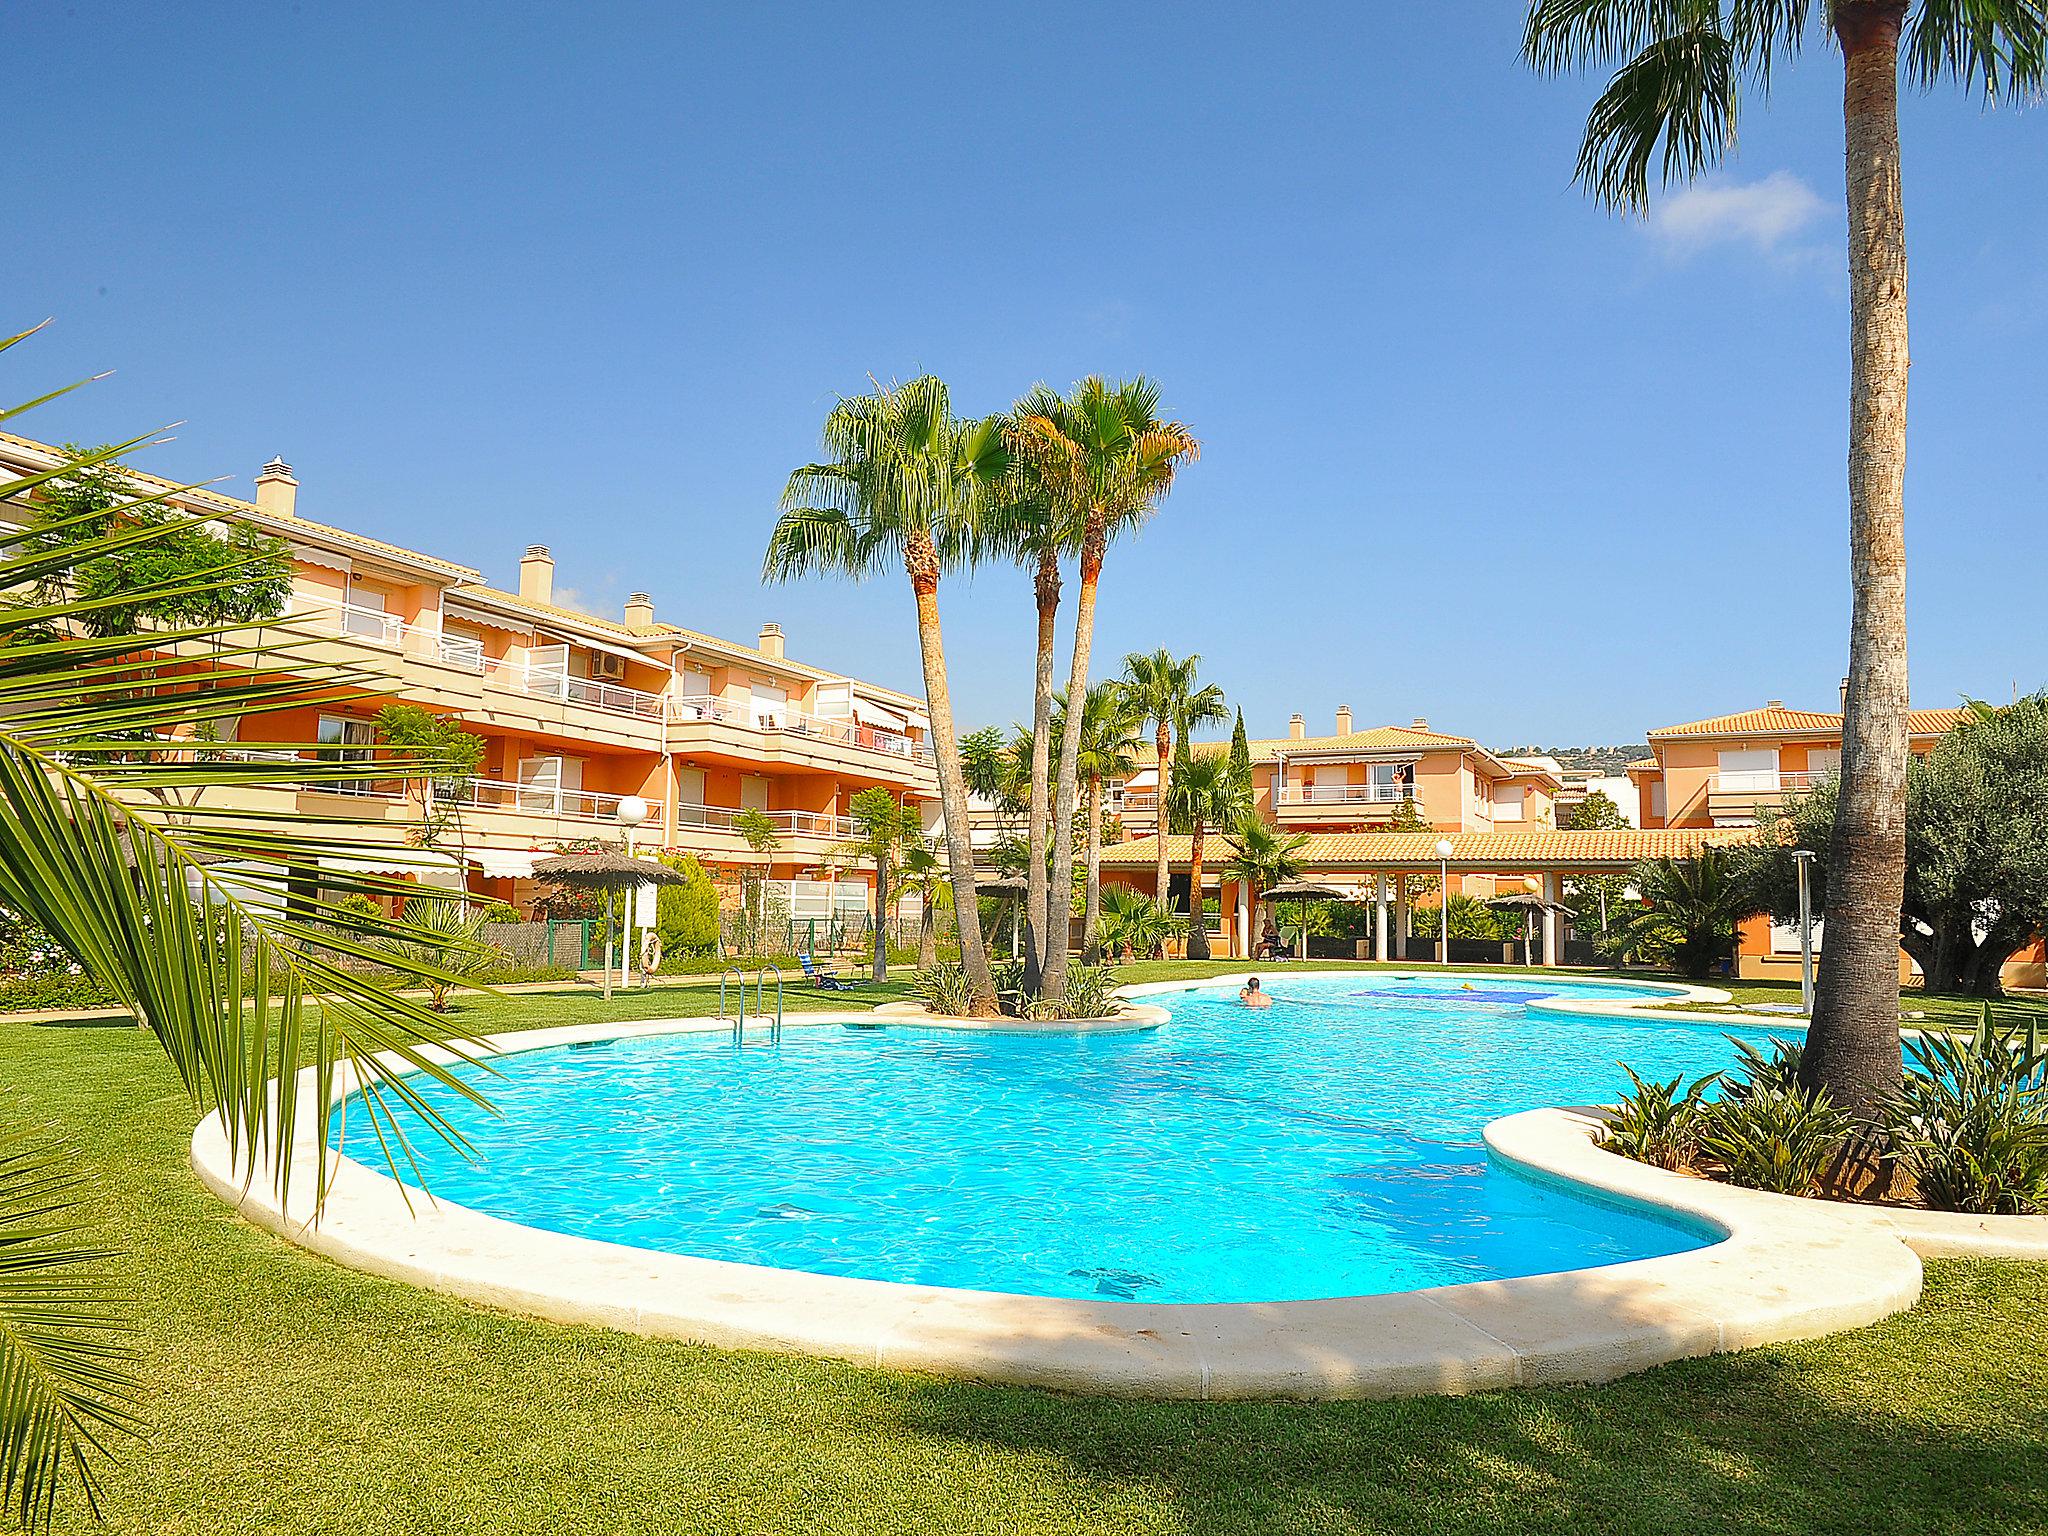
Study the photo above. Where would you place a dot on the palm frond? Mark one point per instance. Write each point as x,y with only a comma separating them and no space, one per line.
67,1383
2002,43
1680,93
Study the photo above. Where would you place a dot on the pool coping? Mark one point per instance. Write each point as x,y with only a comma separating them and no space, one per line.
1785,1269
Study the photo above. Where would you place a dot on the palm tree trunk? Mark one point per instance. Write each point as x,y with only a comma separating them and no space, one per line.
1198,920
1852,1047
880,964
1162,743
922,561
1037,906
927,936
1091,890
1065,784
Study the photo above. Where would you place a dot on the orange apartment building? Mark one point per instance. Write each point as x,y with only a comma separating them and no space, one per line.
576,711
1724,771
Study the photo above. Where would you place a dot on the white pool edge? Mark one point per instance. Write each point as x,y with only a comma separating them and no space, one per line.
1786,1269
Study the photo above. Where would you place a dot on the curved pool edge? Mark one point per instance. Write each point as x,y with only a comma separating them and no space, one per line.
1779,1274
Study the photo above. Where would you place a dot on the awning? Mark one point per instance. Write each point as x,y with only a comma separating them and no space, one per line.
399,861
504,863
639,658
312,554
874,714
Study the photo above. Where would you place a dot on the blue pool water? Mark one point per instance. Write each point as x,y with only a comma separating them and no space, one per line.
1328,1147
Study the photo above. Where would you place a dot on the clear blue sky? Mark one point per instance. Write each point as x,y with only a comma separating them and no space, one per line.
591,276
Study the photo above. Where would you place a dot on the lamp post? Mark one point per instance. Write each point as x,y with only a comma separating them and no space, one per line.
631,812
1803,858
1443,899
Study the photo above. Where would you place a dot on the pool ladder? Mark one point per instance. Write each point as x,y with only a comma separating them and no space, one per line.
739,1021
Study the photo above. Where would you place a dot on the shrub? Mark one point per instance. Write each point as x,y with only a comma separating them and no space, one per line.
1970,1123
1089,989
686,915
1776,1067
497,912
1656,1123
943,989
1772,1138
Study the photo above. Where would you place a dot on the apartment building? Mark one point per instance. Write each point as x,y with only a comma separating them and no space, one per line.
1357,780
1720,772
577,711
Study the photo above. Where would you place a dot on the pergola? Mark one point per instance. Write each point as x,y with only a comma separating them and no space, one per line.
1385,861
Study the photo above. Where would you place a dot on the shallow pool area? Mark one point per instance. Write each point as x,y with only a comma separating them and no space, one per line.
1330,1146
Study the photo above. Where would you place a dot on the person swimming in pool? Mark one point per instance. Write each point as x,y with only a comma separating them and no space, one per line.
1250,995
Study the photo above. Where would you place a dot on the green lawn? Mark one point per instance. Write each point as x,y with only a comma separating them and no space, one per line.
290,1395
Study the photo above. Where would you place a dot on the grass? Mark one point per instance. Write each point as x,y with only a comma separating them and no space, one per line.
290,1395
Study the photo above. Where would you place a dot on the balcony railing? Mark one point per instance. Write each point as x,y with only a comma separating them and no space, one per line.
542,799
553,683
1763,781
720,818
795,722
1345,794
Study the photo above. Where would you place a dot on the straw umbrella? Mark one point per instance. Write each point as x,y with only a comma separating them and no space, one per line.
1528,903
1013,888
607,872
1306,891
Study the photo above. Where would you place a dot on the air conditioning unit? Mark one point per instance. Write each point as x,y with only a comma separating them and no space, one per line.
606,668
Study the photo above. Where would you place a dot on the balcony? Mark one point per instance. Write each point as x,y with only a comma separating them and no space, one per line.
1341,804
721,818
527,800
1734,798
554,683
775,733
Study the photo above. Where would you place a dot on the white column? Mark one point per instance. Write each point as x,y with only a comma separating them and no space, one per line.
1400,917
1244,920
1379,949
1553,921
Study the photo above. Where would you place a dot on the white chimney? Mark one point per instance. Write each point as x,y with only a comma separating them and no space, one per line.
639,611
1343,719
1845,695
276,491
1297,728
1774,703
771,640
537,574
1421,722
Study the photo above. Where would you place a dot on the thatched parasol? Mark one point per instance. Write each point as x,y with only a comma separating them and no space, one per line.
1528,903
1013,889
1305,891
607,872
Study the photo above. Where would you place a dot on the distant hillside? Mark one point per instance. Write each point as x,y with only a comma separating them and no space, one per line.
1603,760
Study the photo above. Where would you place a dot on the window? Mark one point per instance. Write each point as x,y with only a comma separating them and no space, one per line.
1749,771
356,738
1508,802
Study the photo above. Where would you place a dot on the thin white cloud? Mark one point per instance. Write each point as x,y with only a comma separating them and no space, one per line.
1770,216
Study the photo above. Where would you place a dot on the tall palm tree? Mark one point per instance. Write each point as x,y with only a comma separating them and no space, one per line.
1102,457
1206,793
1262,856
903,480
1683,71
1162,689
1109,742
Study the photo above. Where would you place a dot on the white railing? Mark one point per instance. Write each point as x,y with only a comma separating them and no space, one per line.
540,799
1345,794
553,683
1762,781
721,818
458,652
393,633
685,709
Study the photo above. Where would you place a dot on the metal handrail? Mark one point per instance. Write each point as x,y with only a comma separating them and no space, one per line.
760,981
739,1024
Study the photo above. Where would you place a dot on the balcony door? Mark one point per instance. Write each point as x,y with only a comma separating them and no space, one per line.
550,784
547,671
771,706
1749,771
753,793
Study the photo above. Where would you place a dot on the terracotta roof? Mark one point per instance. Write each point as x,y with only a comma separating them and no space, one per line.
1640,764
1501,851
1776,720
1379,738
202,498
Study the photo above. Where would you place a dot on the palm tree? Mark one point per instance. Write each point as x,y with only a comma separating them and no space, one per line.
1102,458
1109,740
1683,71
1133,923
1691,911
1261,856
235,991
903,480
1162,690
882,827
1205,792
924,874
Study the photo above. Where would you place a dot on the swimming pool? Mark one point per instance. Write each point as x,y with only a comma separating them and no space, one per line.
1330,1146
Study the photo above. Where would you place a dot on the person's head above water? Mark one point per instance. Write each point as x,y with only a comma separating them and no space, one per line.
1252,985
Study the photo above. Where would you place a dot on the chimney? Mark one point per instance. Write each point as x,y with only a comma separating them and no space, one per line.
1845,696
1343,719
537,574
639,611
1297,728
1421,722
771,640
276,491
1774,703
